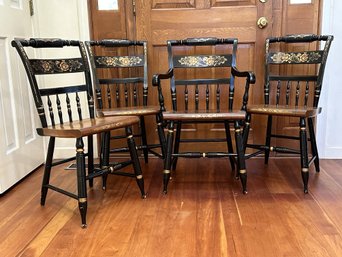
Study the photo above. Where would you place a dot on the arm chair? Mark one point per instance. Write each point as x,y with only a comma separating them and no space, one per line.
294,69
119,70
63,106
202,92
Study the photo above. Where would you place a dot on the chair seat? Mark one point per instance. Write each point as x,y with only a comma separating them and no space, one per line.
127,111
87,127
282,110
205,115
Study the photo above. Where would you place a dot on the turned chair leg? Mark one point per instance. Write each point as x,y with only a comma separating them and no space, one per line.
81,181
229,145
90,159
47,170
313,144
135,160
176,147
304,154
104,159
268,138
168,157
241,157
161,134
143,138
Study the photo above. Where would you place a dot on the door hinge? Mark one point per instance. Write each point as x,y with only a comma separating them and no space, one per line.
31,7
134,8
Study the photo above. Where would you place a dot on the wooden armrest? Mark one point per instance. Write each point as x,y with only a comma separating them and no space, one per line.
157,77
248,74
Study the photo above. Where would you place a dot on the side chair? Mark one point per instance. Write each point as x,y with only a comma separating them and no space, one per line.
61,86
120,76
201,91
294,70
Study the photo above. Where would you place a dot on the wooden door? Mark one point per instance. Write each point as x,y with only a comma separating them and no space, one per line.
159,20
21,149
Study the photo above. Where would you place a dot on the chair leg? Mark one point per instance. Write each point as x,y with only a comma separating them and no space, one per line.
143,138
47,170
135,160
168,156
268,138
177,141
229,145
246,131
313,144
304,154
241,157
161,134
104,162
81,181
90,158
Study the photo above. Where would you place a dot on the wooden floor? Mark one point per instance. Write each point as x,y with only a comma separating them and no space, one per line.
204,214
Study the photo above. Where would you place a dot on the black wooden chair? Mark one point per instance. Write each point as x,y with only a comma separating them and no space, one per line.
202,91
64,110
120,75
294,69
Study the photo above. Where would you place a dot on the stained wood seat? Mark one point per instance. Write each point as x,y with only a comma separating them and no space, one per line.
201,92
121,78
304,112
126,111
198,115
62,91
294,69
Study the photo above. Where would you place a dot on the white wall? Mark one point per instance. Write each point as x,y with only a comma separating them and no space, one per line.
66,19
329,126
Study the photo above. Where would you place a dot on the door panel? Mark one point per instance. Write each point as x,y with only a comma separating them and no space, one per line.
21,149
161,20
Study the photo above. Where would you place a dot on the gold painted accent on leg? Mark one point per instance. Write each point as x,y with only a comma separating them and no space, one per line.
130,136
82,200
242,171
237,130
139,176
167,171
303,129
271,148
159,123
305,170
111,169
170,131
80,150
247,123
203,154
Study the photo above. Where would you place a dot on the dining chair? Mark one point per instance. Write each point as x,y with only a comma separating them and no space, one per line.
62,91
120,76
202,74
294,71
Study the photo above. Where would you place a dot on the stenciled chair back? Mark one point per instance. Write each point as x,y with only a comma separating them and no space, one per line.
51,110
294,78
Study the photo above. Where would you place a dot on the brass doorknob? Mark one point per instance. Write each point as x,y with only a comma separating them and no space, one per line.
262,22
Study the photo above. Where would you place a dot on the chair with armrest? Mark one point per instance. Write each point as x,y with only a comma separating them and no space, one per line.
64,105
294,69
202,85
119,69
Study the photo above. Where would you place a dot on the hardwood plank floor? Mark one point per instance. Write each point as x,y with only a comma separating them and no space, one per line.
204,213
